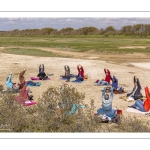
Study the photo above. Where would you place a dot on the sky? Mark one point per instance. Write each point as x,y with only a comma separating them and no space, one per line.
11,23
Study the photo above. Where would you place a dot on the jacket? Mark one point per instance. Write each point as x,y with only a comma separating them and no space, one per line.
146,103
114,82
23,93
9,84
107,78
80,72
136,91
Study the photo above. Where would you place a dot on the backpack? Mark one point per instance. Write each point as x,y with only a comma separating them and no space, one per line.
120,89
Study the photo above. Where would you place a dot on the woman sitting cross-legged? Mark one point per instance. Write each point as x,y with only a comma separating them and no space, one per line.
24,97
67,73
114,83
80,76
143,106
42,75
106,108
136,92
12,87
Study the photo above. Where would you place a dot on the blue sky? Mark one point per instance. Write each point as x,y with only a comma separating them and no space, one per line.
59,23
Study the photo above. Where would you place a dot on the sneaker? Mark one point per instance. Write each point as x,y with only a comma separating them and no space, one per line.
131,106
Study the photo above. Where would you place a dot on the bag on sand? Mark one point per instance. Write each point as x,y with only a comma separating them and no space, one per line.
130,99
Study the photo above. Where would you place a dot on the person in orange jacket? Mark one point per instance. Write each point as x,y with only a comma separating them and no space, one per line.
143,106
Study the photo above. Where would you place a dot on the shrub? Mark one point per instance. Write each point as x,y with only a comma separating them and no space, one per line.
50,114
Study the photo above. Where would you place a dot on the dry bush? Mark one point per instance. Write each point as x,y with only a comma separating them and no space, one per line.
46,117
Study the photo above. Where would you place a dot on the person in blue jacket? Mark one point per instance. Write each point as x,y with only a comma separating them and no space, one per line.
114,82
107,104
10,85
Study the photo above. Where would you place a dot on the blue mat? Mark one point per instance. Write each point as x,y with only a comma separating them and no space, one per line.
77,81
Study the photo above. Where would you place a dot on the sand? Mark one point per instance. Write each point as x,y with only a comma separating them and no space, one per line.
95,68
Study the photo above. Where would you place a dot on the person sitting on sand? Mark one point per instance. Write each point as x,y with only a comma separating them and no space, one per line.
105,81
22,79
67,73
143,106
80,76
136,92
42,75
114,82
23,93
12,87
106,108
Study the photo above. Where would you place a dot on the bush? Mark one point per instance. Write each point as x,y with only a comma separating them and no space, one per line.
50,114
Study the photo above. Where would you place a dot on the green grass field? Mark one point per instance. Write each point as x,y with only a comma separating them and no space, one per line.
31,52
98,43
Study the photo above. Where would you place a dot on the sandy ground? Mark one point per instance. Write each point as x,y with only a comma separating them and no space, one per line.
124,72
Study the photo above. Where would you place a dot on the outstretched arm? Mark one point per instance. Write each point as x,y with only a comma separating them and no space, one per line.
108,72
22,73
103,94
9,78
138,83
111,93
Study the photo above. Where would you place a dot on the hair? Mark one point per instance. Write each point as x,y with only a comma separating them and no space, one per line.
106,96
41,67
20,86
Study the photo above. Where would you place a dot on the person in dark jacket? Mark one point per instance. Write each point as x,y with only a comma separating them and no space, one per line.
42,74
136,92
114,82
67,73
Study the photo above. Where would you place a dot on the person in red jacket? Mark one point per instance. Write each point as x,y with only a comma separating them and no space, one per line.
107,79
80,71
143,106
80,76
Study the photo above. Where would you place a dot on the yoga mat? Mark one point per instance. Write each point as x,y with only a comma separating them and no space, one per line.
37,78
22,103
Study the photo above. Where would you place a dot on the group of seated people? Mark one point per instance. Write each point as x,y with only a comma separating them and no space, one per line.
106,108
135,94
20,88
79,77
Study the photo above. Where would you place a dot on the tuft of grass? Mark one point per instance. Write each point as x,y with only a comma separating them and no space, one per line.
30,52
